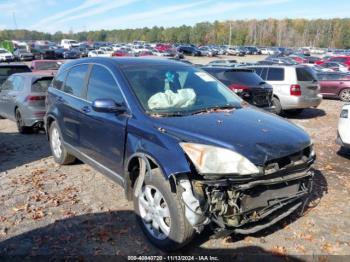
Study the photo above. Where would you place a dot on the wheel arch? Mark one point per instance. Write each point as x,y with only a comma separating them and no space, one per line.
132,172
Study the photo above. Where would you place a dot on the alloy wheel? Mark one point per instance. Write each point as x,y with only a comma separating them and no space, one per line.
154,212
56,143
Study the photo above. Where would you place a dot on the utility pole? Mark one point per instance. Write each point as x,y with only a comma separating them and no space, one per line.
14,20
229,40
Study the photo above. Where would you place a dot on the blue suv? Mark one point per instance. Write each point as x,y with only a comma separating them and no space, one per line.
186,149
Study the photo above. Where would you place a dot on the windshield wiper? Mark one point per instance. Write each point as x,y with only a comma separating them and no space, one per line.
213,109
166,114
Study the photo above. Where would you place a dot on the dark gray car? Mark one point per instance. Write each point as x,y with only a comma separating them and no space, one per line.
22,99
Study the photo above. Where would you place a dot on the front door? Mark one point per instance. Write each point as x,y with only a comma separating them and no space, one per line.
103,134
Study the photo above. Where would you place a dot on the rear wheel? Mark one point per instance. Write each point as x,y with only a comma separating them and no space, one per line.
59,152
20,124
161,214
344,95
276,103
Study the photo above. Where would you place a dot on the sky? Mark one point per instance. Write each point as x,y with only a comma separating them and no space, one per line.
85,15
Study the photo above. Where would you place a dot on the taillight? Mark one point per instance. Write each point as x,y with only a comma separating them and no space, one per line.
35,98
237,88
295,90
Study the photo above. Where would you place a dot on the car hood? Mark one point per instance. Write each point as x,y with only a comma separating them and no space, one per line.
257,135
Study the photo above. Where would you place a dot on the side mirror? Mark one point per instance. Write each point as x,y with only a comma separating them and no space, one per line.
108,106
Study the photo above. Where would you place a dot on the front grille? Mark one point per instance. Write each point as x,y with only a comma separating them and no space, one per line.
300,158
260,97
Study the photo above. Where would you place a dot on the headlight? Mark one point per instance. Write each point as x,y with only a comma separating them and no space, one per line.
216,160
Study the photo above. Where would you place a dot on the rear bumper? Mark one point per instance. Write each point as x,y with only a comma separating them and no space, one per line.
340,142
301,102
33,118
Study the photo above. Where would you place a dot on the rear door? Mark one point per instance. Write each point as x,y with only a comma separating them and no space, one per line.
331,84
103,134
5,88
69,104
308,82
13,95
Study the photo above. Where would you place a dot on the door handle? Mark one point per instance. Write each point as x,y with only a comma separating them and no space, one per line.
341,83
86,109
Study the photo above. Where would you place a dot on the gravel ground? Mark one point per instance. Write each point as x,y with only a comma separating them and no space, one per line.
53,210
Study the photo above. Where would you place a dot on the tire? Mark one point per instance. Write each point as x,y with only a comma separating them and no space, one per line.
344,95
180,231
278,108
22,129
59,152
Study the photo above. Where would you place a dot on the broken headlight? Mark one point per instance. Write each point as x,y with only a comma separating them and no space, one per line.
216,160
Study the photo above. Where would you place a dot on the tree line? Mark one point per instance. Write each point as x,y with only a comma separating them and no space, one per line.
325,33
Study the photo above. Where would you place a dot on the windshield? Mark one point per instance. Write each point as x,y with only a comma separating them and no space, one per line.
47,66
167,89
41,85
3,51
242,77
305,74
9,70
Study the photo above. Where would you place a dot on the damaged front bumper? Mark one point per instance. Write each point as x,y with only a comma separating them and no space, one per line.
245,207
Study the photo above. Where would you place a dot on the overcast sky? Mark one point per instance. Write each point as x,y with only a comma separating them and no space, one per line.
83,15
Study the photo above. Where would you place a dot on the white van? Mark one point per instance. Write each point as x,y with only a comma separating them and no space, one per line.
69,43
294,87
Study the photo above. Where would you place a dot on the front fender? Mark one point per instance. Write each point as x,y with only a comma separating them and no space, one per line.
161,149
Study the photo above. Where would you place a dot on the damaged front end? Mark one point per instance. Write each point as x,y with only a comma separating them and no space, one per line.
248,204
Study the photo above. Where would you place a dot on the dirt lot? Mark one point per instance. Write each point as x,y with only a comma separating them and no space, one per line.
48,209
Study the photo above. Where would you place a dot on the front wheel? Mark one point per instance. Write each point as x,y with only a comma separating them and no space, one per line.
161,215
344,95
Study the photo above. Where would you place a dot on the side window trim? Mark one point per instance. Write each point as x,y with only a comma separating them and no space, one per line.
86,83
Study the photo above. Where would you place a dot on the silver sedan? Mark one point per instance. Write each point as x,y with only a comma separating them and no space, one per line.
22,99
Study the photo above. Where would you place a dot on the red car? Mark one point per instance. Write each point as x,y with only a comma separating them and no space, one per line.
45,67
120,53
298,59
336,85
163,47
340,59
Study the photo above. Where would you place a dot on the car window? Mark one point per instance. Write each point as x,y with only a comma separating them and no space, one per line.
59,79
331,77
47,65
75,80
248,78
41,85
305,74
258,71
102,85
18,83
275,74
9,70
339,59
8,84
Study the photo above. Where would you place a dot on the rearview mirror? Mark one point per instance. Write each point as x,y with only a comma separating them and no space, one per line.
107,106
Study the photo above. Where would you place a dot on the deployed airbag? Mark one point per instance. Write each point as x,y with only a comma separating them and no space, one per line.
181,99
